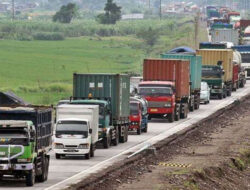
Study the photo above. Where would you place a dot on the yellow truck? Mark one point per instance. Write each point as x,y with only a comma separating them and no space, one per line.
222,58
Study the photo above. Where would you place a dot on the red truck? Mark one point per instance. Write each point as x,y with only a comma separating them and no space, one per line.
166,87
135,116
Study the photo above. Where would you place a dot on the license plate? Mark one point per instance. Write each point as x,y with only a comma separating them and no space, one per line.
154,110
71,150
2,153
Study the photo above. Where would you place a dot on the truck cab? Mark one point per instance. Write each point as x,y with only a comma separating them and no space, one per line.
135,116
105,125
17,149
76,131
160,96
213,75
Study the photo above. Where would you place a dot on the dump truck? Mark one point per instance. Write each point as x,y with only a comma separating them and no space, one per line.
195,76
218,58
26,139
166,87
76,131
111,93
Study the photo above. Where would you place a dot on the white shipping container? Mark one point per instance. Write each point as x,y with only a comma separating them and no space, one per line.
225,35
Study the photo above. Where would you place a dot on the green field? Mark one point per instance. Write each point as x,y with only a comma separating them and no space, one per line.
41,71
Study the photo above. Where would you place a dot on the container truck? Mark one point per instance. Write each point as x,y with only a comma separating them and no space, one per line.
111,93
222,58
225,35
166,87
138,114
26,137
195,76
76,131
245,55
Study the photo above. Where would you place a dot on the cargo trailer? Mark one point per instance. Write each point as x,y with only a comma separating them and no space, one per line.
111,93
225,35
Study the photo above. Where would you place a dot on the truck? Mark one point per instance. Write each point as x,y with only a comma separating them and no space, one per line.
166,87
225,35
138,114
76,131
134,82
222,58
245,66
26,139
195,76
111,93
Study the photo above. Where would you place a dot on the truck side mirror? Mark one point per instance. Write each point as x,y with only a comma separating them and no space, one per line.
90,131
223,72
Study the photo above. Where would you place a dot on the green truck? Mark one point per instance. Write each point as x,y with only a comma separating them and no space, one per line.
111,93
195,76
25,140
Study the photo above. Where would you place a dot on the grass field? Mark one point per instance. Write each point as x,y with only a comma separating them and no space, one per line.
41,71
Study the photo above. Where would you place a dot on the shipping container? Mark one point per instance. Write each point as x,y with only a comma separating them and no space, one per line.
244,23
195,67
169,70
112,87
41,118
211,57
221,26
209,45
225,35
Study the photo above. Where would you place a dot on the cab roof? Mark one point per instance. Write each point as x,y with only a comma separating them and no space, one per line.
157,82
89,101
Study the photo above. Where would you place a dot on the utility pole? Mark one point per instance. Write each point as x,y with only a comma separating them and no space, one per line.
160,10
149,4
13,9
196,29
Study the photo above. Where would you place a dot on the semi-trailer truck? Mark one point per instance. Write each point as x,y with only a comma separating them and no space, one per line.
26,139
166,87
111,93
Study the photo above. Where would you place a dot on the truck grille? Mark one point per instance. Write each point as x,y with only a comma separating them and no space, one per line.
154,104
70,146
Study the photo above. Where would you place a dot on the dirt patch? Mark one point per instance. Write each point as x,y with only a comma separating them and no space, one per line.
213,155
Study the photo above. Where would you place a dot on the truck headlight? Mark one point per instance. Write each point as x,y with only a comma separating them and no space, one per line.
168,105
84,146
24,160
59,146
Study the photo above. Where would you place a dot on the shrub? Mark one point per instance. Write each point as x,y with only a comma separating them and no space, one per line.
48,36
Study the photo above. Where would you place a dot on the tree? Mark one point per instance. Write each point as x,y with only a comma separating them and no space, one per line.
112,13
66,13
150,36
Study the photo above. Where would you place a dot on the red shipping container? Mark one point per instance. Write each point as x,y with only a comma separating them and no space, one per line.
244,23
176,71
235,73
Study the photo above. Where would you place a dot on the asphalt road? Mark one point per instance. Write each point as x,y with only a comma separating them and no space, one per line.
61,170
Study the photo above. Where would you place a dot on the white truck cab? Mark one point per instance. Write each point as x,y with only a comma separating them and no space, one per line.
76,131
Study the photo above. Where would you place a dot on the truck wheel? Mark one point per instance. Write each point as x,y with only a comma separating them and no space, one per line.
229,93
43,176
146,128
191,108
107,141
58,156
87,156
123,138
177,114
196,106
116,140
220,96
139,130
92,151
30,177
171,117
126,139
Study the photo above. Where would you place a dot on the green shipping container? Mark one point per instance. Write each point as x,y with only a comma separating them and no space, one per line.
195,67
110,87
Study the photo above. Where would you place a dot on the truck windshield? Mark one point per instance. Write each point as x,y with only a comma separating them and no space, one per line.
211,72
14,137
72,127
155,91
134,109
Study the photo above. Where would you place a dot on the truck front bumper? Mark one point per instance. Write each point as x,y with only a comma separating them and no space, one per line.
72,151
160,110
216,91
16,167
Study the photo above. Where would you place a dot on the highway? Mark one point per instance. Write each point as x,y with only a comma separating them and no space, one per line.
71,169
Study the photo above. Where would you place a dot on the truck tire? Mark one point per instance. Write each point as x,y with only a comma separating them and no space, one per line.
184,114
43,177
107,141
139,130
177,114
171,117
115,141
229,93
196,106
124,137
92,151
87,156
145,130
220,96
58,156
191,108
30,177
